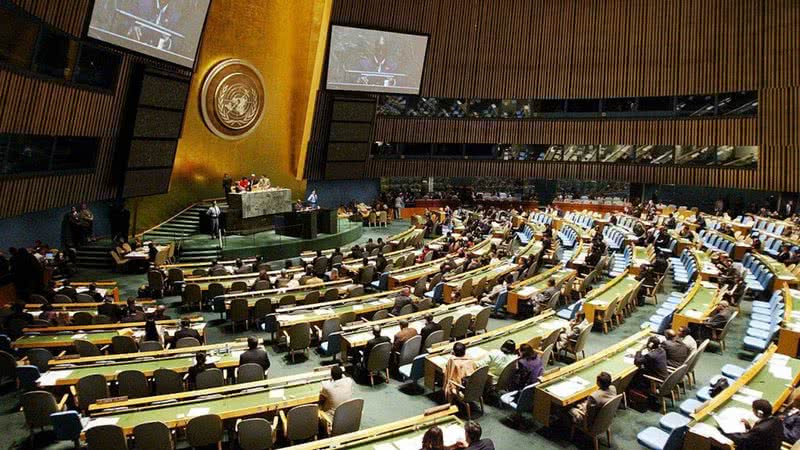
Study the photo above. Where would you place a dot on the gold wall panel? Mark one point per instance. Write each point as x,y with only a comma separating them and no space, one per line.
279,38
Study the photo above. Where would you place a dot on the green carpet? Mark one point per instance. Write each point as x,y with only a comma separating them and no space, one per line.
385,402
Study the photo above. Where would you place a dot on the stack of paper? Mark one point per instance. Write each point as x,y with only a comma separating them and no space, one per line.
730,419
452,434
568,387
50,377
101,421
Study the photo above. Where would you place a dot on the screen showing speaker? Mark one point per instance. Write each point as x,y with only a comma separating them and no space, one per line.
164,29
368,60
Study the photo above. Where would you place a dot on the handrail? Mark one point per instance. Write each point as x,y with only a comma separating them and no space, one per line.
139,235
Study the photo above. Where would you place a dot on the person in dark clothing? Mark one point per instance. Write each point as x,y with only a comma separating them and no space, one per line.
402,299
380,262
651,361
472,433
18,312
98,297
108,308
765,434
186,330
253,354
199,367
429,327
677,352
376,339
152,252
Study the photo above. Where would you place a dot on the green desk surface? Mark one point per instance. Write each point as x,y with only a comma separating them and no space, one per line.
359,338
614,364
320,314
226,407
779,269
520,336
621,287
63,340
701,300
449,425
770,386
534,288
180,363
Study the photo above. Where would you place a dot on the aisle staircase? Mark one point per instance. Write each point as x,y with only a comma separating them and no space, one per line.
95,255
184,224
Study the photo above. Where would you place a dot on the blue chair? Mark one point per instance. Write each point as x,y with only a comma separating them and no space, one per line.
672,421
520,405
382,282
688,406
67,426
656,439
436,293
415,370
332,346
732,370
28,376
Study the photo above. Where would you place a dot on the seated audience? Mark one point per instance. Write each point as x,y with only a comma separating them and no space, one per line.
403,335
429,327
255,355
199,367
677,351
458,367
186,330
402,299
336,391
586,411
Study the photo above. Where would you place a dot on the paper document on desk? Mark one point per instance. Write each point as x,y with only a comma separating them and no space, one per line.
706,430
193,412
568,387
79,336
101,421
552,325
276,393
50,377
453,434
730,419
782,372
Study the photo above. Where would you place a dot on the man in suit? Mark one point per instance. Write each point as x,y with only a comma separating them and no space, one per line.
541,299
403,335
186,330
376,339
380,262
430,327
98,297
402,299
472,433
720,316
586,411
677,351
765,434
254,355
108,308
651,361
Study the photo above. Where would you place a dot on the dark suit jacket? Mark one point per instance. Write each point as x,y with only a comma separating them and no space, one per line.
399,302
187,332
257,356
654,363
111,310
428,329
766,434
719,319
483,444
372,343
677,352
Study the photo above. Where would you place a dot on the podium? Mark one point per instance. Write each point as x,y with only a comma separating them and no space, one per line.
307,224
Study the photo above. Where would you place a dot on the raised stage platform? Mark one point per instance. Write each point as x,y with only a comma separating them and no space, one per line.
266,243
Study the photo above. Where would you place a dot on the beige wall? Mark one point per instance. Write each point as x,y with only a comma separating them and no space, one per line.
280,38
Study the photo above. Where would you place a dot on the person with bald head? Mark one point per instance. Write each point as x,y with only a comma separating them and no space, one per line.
677,351
402,299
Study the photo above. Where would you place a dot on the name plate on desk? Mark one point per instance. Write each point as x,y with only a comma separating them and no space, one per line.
261,203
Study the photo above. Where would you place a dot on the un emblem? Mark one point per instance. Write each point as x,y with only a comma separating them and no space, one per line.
232,99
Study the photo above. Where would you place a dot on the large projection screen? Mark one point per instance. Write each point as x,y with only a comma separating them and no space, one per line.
367,60
164,29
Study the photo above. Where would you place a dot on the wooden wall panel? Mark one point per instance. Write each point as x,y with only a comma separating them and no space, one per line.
578,48
601,49
31,105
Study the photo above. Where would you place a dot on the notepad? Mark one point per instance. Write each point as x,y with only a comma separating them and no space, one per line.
782,372
730,419
452,434
693,314
276,393
197,412
79,336
50,378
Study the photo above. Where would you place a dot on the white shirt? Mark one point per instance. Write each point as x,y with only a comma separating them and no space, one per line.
336,392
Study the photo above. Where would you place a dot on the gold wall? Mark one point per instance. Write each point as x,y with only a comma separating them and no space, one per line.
282,39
